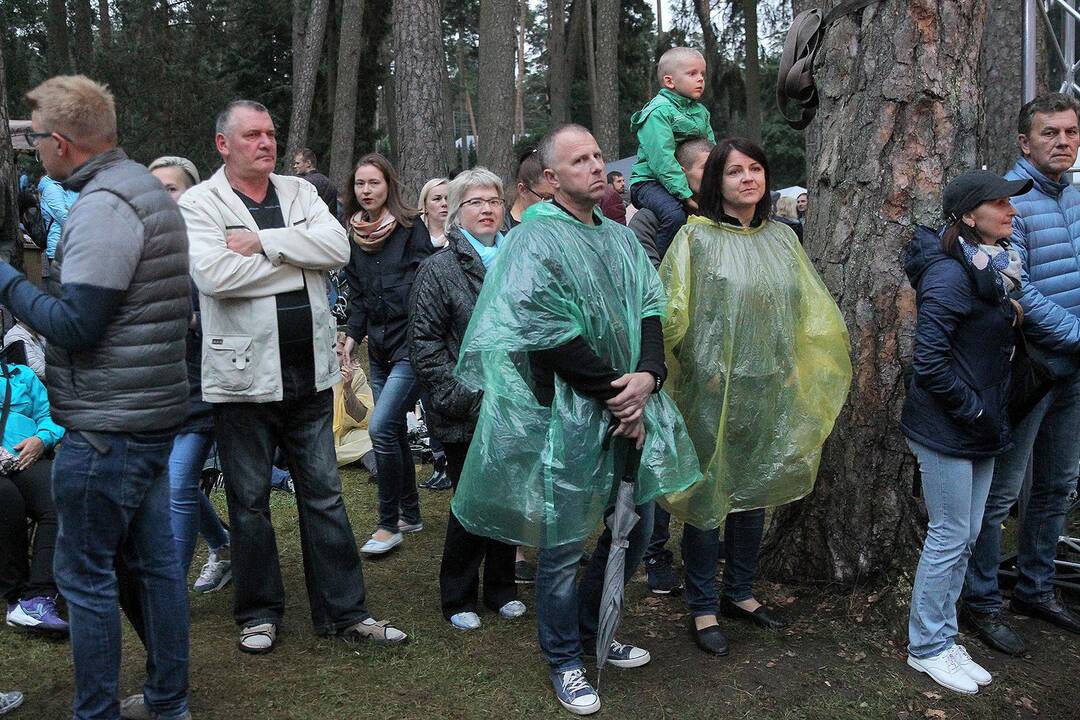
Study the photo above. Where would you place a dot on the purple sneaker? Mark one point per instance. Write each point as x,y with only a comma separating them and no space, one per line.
38,614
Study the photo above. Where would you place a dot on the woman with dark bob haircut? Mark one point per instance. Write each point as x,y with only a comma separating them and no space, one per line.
758,365
388,244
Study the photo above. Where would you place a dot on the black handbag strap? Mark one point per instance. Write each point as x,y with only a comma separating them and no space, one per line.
795,81
7,397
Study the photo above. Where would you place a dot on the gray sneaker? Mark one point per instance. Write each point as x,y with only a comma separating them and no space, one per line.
216,573
133,707
9,701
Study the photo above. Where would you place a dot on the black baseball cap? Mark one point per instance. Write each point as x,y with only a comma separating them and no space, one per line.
969,190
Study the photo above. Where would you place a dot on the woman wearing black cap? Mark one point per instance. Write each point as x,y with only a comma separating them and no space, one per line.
955,417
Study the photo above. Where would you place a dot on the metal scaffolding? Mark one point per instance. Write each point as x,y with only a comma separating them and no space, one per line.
1061,40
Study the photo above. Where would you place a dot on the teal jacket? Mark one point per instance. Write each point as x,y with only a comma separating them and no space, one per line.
660,126
29,414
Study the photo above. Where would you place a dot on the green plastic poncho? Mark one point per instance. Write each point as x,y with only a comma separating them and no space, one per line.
538,475
758,363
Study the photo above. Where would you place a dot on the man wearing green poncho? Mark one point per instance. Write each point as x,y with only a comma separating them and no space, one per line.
565,336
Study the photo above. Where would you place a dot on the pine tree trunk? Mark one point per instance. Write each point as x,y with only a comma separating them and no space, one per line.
348,67
10,246
56,35
104,26
896,120
558,72
519,87
333,49
418,60
703,10
753,72
590,58
605,109
495,146
307,49
1001,82
84,37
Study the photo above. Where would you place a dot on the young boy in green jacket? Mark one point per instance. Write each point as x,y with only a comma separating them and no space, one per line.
657,182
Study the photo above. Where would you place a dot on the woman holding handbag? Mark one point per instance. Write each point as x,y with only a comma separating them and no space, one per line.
955,416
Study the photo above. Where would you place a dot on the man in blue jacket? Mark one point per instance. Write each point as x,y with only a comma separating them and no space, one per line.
1046,233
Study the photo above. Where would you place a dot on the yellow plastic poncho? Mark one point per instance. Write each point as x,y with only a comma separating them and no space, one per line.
758,364
537,475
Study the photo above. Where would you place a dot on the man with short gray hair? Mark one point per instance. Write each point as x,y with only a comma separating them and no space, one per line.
118,383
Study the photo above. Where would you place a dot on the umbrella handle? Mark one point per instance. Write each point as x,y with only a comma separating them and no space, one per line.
610,433
633,454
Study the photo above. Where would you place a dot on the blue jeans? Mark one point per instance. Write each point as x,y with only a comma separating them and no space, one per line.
701,551
395,391
192,511
114,505
955,492
301,424
567,613
1050,437
653,196
661,532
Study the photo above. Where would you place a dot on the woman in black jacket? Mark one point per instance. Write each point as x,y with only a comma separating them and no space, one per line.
955,414
443,299
388,244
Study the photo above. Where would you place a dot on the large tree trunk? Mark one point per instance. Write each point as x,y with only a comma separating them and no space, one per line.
104,26
558,72
495,146
753,72
418,60
519,82
605,110
348,66
590,58
896,121
333,49
1001,84
84,37
10,247
56,35
309,29
703,10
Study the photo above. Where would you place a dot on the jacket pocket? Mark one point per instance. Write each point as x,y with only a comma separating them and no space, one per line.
227,362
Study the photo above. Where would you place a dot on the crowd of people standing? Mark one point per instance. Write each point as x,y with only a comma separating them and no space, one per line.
532,331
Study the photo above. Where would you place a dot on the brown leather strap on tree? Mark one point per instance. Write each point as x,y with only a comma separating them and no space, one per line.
795,81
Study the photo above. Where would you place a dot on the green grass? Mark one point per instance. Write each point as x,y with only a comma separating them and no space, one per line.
841,658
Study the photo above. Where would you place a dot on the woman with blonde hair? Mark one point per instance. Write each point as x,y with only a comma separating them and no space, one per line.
433,209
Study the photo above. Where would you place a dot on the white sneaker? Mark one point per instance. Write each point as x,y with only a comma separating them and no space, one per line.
465,620
512,610
944,669
216,573
258,639
974,670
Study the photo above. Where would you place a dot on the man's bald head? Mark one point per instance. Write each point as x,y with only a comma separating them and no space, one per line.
573,165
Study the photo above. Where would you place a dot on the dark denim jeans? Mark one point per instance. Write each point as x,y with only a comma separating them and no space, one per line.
568,612
395,391
667,209
661,532
112,506
302,426
27,495
192,512
701,551
1050,437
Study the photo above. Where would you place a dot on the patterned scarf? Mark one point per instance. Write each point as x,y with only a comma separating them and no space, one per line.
1001,259
369,234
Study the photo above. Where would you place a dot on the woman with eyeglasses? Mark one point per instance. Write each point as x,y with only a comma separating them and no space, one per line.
388,244
444,296
531,189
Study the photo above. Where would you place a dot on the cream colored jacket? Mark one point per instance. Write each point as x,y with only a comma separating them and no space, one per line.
240,358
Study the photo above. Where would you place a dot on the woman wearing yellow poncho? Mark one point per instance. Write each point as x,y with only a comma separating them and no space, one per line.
758,365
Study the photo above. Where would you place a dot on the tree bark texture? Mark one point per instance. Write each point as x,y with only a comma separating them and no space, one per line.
348,67
753,72
896,121
418,61
104,26
519,83
495,146
84,37
466,104
333,49
56,35
589,46
1001,85
9,183
606,104
703,10
307,49
558,72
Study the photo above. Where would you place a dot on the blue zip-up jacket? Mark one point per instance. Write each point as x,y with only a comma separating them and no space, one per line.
56,201
1046,233
958,397
29,414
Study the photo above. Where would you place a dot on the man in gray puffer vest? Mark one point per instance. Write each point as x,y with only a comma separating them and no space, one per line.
118,383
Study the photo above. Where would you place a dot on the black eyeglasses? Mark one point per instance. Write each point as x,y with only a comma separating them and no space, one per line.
545,198
33,137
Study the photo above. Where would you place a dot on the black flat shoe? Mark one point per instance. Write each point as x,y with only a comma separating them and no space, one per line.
1052,611
992,631
710,639
762,617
